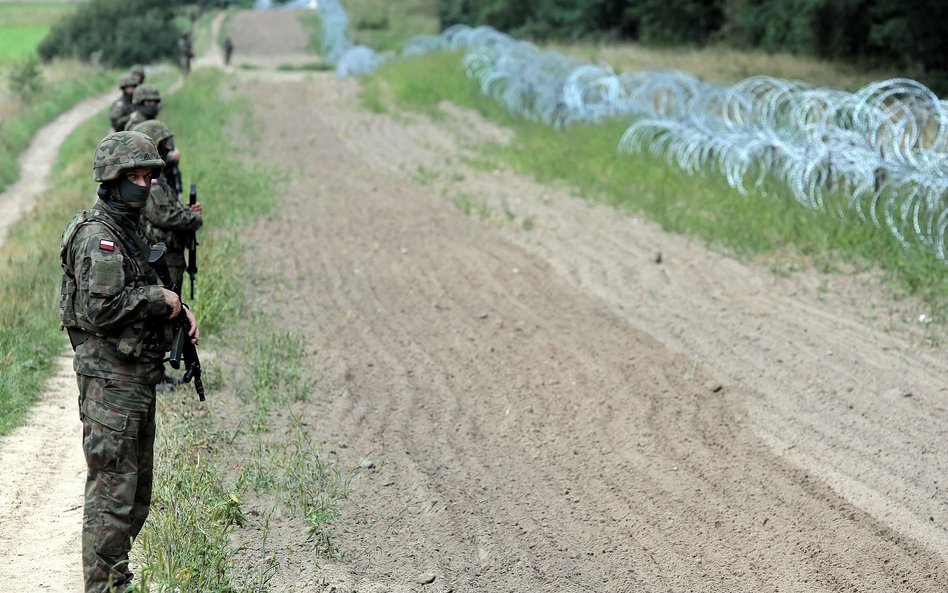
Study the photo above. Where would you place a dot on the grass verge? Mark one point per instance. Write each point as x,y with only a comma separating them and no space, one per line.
29,276
768,223
22,118
386,26
220,462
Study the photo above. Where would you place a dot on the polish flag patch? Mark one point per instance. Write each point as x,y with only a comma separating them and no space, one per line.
154,182
106,245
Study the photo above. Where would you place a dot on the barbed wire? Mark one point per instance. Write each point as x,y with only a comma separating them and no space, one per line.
879,155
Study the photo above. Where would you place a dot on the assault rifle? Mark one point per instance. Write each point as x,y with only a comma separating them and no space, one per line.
181,346
192,244
173,174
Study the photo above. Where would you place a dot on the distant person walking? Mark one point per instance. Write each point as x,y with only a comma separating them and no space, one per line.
185,52
228,50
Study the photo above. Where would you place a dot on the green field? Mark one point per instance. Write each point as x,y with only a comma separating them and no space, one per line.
18,41
24,24
18,14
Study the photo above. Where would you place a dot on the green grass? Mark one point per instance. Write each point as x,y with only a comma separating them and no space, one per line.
767,224
17,14
386,26
314,24
17,41
29,280
308,67
220,462
24,24
23,122
381,25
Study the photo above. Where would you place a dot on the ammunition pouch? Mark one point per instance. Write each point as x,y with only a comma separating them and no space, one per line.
67,298
77,337
142,337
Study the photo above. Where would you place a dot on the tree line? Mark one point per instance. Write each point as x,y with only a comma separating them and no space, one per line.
910,35
120,33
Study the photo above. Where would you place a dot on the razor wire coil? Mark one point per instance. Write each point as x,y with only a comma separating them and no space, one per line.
880,154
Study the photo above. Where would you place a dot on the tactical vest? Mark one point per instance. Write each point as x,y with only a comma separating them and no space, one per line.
132,339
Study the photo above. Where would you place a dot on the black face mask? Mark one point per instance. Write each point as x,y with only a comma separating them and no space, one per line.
133,195
149,111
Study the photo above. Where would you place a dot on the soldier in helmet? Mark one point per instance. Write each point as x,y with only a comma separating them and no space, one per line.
122,108
185,52
147,102
117,314
228,50
138,71
166,219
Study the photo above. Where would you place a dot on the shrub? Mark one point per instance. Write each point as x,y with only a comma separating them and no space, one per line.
116,32
25,78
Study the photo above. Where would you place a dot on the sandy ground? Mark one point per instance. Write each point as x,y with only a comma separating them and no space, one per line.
547,405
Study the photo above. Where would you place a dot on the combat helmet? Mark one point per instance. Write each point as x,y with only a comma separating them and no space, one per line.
139,71
154,129
121,151
146,92
127,80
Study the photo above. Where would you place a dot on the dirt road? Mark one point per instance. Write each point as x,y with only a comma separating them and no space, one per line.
551,409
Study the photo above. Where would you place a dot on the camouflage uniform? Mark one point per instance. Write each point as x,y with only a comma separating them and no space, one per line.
122,107
228,50
114,309
185,52
144,92
167,220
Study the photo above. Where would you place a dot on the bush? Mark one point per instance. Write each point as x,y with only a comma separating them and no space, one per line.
25,78
116,32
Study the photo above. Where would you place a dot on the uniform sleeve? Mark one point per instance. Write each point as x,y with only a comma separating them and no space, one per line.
118,116
164,211
105,297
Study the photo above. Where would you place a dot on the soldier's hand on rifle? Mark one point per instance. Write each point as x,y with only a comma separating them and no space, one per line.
172,300
194,333
196,207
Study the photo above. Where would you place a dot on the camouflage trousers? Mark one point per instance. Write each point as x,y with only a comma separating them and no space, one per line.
118,442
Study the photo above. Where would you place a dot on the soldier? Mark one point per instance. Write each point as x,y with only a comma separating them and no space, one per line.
147,102
228,50
185,52
166,219
138,71
122,108
116,312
